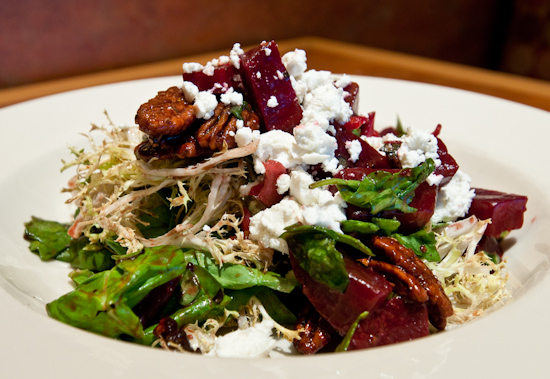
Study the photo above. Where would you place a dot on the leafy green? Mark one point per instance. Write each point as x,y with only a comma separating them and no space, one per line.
84,255
314,247
382,226
103,303
344,345
49,239
236,276
422,243
381,190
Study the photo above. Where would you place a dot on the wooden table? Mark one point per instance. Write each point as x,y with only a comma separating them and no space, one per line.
329,55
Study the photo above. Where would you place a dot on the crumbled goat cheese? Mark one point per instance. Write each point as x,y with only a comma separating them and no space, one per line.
190,91
315,145
454,199
277,145
343,81
272,102
203,101
283,183
295,62
280,75
266,226
232,97
300,88
354,149
324,104
234,55
245,135
267,51
416,147
191,67
258,75
252,342
319,206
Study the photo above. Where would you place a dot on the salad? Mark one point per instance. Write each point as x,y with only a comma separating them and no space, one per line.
253,211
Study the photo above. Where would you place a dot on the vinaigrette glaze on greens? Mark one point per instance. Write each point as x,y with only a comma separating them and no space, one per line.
253,211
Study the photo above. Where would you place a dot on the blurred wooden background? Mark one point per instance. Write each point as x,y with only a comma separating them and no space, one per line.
45,40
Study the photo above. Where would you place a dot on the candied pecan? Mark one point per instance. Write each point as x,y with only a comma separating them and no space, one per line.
439,305
221,127
410,285
316,331
167,114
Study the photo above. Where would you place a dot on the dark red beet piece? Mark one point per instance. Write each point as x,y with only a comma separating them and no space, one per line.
365,124
264,76
395,321
353,98
369,156
448,166
223,78
150,307
424,200
266,191
366,291
504,209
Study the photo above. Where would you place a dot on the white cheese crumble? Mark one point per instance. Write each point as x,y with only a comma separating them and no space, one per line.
283,183
232,97
416,147
272,102
354,149
190,67
295,62
204,102
266,226
267,51
277,145
319,206
454,199
234,55
253,342
325,103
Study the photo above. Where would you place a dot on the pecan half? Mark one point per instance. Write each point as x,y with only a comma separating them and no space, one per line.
409,286
316,331
439,305
167,114
221,127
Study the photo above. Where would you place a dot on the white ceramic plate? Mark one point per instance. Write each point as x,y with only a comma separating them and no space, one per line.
502,145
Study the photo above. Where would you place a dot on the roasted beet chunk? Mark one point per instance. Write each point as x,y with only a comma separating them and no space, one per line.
504,209
395,321
217,80
268,87
368,157
448,166
366,290
266,191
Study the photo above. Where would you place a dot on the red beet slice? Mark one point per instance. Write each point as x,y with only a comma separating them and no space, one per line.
223,78
353,98
424,201
504,209
448,166
395,321
369,156
264,76
366,291
266,191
